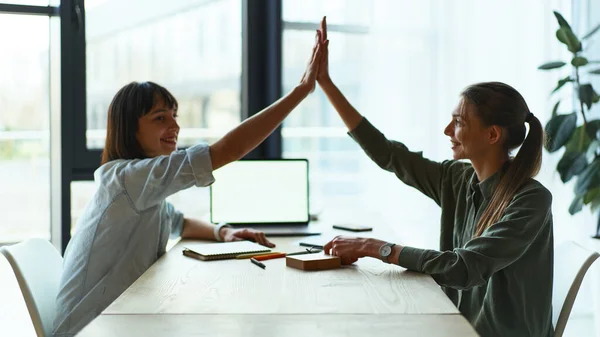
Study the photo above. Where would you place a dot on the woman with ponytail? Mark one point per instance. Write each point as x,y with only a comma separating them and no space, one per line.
496,250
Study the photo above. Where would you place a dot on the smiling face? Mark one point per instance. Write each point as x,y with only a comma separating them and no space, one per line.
158,130
469,138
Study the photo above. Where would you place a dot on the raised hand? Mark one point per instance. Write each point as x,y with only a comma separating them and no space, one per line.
309,77
323,74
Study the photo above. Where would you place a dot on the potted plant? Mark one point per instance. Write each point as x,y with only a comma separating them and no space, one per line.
575,131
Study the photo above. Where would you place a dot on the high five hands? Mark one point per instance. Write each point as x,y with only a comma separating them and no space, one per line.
318,65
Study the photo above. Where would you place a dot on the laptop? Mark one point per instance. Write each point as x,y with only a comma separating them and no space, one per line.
268,195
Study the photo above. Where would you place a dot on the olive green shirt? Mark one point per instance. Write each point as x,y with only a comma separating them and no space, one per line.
501,281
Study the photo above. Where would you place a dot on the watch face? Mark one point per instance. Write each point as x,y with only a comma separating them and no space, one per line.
385,250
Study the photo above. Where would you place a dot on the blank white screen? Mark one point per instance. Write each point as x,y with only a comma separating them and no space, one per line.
257,191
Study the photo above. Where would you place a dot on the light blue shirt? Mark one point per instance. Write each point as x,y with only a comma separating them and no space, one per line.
123,231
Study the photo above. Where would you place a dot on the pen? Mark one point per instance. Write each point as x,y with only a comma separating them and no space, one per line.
304,244
269,256
247,256
256,262
307,251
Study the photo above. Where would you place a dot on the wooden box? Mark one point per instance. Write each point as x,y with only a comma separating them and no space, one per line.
313,262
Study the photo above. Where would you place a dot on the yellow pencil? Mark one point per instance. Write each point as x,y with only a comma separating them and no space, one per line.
247,256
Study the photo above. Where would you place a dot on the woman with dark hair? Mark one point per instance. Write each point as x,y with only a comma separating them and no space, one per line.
126,225
496,244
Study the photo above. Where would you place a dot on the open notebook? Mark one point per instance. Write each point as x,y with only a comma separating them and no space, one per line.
221,251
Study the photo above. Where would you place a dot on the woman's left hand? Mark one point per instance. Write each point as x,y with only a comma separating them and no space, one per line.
231,234
309,78
350,249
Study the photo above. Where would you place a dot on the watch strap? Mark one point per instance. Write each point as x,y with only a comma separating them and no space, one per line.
386,258
217,229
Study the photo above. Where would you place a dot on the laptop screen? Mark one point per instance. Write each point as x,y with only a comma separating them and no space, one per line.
260,191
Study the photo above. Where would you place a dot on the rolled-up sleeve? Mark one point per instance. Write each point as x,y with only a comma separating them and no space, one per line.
499,245
148,182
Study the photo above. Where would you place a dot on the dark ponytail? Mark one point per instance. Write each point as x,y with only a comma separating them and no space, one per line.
500,104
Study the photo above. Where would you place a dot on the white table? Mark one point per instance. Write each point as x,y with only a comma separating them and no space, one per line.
181,296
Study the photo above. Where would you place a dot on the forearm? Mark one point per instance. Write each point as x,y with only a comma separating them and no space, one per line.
197,229
347,112
254,130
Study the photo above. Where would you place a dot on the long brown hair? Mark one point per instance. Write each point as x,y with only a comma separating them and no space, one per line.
500,104
129,104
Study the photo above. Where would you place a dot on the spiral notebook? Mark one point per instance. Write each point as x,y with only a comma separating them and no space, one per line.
222,251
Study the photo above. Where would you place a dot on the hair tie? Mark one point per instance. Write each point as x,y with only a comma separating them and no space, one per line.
529,117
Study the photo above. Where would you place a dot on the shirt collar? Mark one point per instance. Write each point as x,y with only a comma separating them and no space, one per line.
488,186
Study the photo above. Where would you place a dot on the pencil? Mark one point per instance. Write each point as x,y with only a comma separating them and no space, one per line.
269,256
247,256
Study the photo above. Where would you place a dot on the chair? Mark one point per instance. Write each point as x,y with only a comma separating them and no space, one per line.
571,262
37,266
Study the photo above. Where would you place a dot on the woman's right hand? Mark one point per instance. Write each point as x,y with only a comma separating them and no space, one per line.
349,115
323,75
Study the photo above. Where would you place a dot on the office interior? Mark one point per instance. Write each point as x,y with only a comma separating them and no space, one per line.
402,63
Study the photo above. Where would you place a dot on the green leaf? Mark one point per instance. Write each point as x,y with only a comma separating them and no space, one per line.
579,61
561,20
559,130
592,129
592,32
555,109
586,94
551,65
562,82
595,71
576,205
591,195
589,178
570,165
579,140
595,205
566,36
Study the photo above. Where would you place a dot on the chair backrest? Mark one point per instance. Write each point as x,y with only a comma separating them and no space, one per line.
37,266
571,262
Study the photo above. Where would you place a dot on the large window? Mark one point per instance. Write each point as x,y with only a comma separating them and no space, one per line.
403,64
192,47
25,127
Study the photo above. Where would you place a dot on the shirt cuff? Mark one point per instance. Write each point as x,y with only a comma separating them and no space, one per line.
199,157
411,258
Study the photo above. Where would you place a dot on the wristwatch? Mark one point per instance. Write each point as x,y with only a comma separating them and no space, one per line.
385,251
